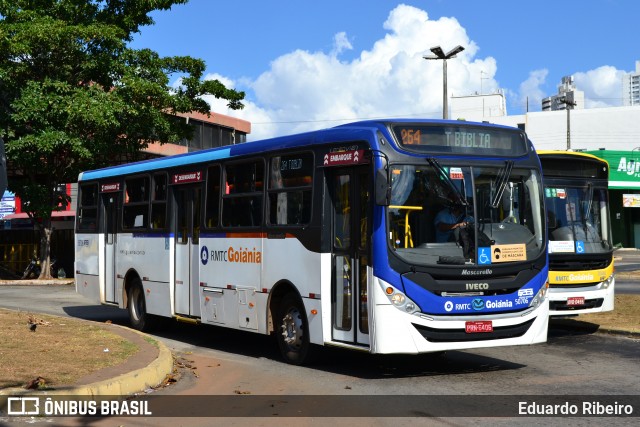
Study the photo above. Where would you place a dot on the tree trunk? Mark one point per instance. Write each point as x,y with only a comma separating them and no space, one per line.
45,250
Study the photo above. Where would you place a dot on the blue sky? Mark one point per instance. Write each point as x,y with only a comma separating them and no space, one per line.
310,64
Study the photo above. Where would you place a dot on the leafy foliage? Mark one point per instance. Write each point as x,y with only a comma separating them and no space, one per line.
74,96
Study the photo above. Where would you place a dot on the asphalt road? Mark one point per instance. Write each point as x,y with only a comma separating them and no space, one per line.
626,262
226,362
220,362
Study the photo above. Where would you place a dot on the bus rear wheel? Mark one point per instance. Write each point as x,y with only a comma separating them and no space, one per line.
138,316
137,307
293,331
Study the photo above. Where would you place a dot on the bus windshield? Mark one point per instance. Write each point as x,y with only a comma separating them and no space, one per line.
578,219
448,215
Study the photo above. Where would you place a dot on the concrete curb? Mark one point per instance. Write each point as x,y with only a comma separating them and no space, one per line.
620,332
128,383
36,282
131,382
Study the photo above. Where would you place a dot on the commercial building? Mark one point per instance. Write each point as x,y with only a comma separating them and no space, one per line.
631,87
567,98
482,105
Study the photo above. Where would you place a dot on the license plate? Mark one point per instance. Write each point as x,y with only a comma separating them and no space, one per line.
575,301
478,326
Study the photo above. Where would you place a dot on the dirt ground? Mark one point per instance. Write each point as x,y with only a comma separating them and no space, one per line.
43,352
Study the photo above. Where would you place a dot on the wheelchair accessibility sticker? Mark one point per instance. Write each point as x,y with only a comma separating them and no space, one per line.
579,247
484,255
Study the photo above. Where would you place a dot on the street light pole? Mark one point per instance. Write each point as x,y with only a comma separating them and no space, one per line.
567,104
439,54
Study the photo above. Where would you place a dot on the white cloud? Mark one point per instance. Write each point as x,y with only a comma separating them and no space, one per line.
340,44
305,90
602,87
530,93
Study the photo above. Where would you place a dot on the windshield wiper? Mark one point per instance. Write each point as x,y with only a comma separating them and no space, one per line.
587,214
589,199
503,179
443,174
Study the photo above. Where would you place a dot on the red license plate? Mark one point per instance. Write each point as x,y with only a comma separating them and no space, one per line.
478,326
575,301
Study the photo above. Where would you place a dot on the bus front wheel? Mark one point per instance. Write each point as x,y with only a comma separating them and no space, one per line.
293,331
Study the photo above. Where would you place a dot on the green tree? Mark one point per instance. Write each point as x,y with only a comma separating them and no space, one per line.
75,96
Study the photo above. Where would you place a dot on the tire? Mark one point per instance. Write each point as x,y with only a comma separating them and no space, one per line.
292,331
137,307
138,316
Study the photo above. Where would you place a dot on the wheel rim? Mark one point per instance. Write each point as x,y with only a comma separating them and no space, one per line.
292,332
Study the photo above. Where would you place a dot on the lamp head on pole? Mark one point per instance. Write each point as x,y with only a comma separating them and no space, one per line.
439,53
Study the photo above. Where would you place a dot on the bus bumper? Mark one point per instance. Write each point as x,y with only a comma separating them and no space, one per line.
583,300
398,332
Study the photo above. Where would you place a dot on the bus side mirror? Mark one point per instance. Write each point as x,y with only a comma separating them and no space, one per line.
383,189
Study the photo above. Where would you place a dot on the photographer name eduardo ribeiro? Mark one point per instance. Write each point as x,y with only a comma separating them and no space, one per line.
586,408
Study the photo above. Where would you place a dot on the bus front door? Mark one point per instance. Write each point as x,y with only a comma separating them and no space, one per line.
110,202
187,256
350,195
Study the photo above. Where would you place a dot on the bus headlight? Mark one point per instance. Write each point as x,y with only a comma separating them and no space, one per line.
606,283
400,300
540,296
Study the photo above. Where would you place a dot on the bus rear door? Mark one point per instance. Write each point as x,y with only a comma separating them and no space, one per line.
187,208
110,207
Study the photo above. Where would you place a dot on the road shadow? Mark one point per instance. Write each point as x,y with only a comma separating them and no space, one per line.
337,360
368,366
98,313
567,326
329,359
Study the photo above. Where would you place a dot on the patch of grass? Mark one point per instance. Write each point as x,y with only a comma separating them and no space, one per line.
625,315
60,350
151,341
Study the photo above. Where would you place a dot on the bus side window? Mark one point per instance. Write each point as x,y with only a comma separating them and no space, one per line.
159,202
242,201
88,209
290,189
135,214
212,207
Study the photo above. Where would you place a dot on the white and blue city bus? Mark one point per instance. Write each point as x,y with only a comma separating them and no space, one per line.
329,238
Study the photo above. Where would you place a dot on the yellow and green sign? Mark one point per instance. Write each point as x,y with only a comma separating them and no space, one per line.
624,168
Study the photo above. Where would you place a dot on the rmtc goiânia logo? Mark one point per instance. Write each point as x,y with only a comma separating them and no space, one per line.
232,254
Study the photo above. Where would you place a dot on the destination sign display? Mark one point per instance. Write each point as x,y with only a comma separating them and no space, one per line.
110,188
340,158
460,139
187,177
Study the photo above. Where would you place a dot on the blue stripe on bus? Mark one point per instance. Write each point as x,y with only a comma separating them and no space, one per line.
157,164
213,235
150,234
351,132
334,135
